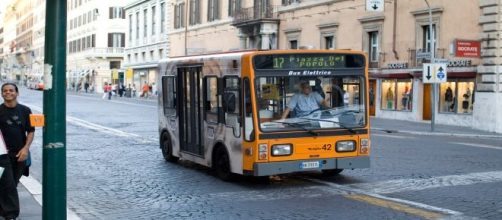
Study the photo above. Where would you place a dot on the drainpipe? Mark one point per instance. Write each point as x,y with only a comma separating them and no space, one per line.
394,29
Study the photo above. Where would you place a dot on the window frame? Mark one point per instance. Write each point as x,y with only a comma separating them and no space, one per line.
397,99
458,98
210,116
169,110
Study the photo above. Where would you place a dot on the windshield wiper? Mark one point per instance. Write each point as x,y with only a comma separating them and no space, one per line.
298,125
334,122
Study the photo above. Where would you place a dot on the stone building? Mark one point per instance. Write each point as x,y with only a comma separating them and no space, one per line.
146,41
395,36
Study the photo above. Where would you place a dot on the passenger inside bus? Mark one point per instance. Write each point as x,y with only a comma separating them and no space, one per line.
304,102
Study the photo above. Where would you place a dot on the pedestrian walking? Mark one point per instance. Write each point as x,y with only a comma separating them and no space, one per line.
145,89
105,90
86,86
17,134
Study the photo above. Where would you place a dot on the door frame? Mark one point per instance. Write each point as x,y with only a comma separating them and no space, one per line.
190,109
427,105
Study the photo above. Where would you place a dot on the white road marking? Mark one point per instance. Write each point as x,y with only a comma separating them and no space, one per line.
35,189
478,145
391,136
114,101
406,185
100,128
335,188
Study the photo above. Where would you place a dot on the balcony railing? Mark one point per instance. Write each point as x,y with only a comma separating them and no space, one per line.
416,57
104,52
255,13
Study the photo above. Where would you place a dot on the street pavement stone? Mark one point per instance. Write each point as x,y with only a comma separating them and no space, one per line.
471,200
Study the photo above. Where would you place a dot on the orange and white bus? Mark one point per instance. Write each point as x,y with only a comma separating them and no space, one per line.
224,111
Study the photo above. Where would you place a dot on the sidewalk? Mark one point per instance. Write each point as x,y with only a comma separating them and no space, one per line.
424,128
30,208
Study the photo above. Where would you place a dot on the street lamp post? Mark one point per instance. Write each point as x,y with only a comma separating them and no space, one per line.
432,50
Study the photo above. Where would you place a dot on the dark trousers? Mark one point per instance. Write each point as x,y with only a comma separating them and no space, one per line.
9,199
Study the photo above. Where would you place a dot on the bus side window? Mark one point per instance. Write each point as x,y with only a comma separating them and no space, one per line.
230,103
169,95
247,111
211,99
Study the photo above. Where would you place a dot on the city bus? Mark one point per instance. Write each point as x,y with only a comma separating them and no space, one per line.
225,111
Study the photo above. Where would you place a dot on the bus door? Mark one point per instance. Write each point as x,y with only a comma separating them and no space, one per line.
190,109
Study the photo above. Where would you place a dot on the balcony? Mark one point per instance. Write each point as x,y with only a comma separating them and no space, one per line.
106,52
253,15
419,56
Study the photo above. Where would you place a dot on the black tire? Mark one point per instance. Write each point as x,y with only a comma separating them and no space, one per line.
222,165
331,172
167,149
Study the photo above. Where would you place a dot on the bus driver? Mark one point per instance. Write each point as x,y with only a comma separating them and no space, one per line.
304,102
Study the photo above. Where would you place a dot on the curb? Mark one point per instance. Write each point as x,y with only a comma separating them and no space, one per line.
35,189
438,133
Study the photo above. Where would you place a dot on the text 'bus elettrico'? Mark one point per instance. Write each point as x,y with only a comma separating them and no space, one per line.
264,113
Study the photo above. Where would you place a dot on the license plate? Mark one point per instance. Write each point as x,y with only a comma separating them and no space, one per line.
309,165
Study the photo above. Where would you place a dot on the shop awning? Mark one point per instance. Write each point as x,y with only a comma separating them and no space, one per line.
451,74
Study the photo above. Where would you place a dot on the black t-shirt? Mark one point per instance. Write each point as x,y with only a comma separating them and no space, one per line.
15,124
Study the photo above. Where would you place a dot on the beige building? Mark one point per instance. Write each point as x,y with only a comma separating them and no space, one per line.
18,40
396,39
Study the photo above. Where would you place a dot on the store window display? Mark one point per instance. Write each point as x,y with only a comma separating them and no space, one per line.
397,94
404,95
457,96
388,94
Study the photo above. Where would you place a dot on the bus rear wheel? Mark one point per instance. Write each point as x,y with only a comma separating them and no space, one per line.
331,172
222,165
167,149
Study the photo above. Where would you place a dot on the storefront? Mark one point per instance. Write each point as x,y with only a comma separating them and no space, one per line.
402,95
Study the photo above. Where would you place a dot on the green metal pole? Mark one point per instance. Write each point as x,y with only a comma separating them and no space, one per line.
54,135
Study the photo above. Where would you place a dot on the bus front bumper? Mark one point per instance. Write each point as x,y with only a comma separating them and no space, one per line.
274,168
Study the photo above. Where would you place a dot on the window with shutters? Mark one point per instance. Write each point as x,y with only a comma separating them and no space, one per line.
116,13
145,23
153,20
194,12
162,17
290,2
213,12
116,40
179,15
234,6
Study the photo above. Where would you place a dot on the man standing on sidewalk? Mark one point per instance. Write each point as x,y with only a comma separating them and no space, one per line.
18,135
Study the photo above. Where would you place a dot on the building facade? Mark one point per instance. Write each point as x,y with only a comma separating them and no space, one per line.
146,41
396,39
18,55
95,43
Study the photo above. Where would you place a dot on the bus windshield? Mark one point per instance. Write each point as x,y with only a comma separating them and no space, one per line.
295,103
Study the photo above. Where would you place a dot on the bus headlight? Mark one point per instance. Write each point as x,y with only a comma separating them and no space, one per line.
345,146
282,150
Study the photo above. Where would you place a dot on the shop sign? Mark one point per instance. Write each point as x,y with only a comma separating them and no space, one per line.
467,48
460,63
397,65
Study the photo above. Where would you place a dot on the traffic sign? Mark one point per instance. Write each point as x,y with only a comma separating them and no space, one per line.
434,73
375,5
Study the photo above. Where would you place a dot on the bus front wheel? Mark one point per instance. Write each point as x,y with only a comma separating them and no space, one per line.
167,149
331,172
222,165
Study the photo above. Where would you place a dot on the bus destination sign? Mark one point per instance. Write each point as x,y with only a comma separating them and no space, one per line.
307,61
